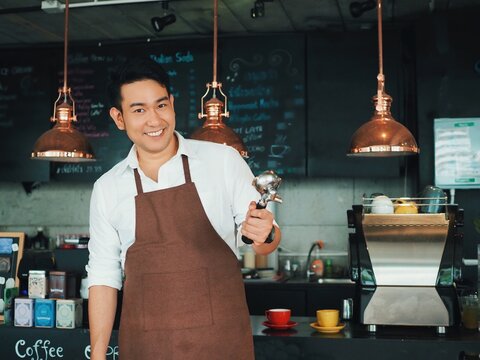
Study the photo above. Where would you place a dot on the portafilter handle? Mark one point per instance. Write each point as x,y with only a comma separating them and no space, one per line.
266,184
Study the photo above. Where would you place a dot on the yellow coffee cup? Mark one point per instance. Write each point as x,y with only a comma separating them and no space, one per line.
403,206
327,318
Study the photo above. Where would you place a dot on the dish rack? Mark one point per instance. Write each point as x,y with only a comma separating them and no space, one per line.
425,205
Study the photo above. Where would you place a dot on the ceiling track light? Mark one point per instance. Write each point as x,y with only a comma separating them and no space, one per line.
258,9
159,23
357,8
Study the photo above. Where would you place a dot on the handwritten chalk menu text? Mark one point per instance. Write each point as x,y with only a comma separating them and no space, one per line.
25,109
189,66
263,78
266,97
88,72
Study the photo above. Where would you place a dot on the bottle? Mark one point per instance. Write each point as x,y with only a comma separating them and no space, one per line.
40,241
249,258
328,272
317,266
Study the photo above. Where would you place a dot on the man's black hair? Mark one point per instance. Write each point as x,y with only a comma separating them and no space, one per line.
133,70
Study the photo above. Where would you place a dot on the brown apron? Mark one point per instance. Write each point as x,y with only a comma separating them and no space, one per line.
184,296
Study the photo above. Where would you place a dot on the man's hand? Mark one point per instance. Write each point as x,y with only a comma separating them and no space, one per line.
258,224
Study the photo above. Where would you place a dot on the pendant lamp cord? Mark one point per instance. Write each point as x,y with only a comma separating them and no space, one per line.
65,49
215,34
380,77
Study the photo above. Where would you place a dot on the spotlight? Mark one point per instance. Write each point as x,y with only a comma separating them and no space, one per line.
358,8
258,9
159,23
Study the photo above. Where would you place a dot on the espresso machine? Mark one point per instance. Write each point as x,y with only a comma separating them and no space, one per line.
405,266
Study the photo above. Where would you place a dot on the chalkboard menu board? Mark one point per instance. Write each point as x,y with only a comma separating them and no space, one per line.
342,71
26,84
264,79
265,89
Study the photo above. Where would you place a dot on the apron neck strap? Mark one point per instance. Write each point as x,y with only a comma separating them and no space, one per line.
186,169
138,182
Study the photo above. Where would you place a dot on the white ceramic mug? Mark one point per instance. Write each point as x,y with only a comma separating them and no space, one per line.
382,205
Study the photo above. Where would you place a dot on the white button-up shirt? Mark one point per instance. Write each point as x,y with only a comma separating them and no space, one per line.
223,181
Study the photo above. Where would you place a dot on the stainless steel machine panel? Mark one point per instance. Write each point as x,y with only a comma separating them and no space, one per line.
405,249
420,306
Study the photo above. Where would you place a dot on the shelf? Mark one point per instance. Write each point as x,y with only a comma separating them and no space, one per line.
322,253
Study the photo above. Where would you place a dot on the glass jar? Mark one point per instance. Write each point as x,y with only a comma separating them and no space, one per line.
470,311
37,284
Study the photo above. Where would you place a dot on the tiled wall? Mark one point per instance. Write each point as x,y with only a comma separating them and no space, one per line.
316,209
312,209
58,207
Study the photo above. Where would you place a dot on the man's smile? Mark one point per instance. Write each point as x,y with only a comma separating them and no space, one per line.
155,133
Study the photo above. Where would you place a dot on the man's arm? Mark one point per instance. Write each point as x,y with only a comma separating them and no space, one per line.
104,271
257,226
265,249
102,305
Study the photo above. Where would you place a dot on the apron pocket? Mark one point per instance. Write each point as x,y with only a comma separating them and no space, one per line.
176,300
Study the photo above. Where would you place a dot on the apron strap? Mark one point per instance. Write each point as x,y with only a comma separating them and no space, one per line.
138,182
186,169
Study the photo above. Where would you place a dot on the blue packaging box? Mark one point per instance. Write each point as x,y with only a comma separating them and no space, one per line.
44,313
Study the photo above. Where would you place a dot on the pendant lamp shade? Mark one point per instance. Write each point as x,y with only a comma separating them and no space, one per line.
382,135
213,128
63,143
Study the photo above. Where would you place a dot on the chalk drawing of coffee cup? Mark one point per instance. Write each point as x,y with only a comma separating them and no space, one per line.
279,151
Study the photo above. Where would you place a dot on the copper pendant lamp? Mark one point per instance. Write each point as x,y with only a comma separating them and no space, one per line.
63,143
382,135
214,129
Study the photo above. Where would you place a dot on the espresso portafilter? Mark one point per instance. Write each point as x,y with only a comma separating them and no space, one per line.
266,184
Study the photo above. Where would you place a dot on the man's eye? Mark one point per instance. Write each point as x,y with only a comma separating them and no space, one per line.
162,105
138,110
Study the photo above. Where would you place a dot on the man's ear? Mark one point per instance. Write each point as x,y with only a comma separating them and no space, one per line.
172,100
117,117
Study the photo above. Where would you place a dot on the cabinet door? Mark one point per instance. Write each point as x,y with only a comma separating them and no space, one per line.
342,70
261,298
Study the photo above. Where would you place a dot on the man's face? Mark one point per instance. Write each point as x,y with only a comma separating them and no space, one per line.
148,117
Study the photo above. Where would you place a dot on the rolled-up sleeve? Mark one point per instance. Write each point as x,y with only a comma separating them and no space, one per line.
104,264
238,181
239,186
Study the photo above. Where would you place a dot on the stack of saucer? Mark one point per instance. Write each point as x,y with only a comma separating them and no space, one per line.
266,273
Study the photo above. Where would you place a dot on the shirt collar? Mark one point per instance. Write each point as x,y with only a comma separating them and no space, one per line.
131,161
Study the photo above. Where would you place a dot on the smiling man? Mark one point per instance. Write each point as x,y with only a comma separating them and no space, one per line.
165,224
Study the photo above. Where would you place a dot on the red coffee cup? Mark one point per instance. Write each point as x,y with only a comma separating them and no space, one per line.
278,316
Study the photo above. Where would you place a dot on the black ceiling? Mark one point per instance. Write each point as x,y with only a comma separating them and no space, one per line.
25,22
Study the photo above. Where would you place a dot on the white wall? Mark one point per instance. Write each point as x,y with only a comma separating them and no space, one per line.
313,209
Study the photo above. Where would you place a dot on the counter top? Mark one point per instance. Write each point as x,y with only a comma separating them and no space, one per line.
339,281
301,342
355,342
